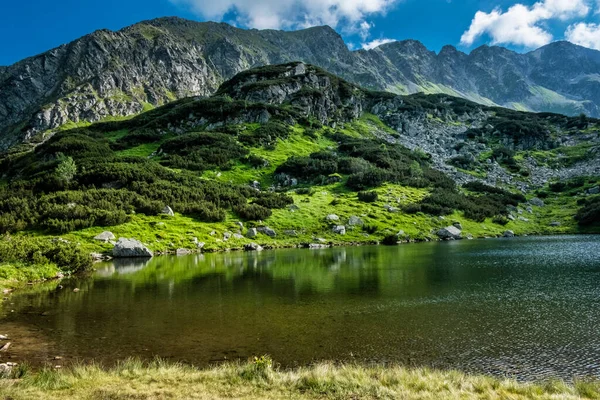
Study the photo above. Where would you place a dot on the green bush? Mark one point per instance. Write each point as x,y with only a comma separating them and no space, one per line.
368,197
252,212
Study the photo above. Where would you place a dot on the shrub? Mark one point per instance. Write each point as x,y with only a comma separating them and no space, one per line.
368,197
252,212
500,220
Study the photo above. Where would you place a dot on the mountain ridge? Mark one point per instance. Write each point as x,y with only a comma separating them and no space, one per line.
108,74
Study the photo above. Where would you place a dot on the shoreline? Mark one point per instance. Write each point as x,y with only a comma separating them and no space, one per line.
261,379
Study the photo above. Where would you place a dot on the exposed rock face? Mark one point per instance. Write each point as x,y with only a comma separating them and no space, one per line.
339,229
130,248
105,236
253,247
449,233
267,231
121,73
168,211
354,220
252,232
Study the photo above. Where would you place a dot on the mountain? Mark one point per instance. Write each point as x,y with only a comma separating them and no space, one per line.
107,75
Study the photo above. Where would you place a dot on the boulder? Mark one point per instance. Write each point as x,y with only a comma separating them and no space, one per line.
252,232
105,237
168,211
354,221
449,232
536,202
182,252
130,248
267,231
253,247
391,209
332,217
594,190
508,234
339,229
457,225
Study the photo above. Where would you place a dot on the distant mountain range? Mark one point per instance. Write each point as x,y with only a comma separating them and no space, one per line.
110,74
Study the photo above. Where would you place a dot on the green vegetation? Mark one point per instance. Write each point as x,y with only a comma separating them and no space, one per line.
206,158
34,259
259,379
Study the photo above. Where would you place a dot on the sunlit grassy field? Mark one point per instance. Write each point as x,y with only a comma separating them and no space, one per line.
259,379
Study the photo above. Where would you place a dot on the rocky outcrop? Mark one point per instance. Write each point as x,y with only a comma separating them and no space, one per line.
105,236
130,248
106,74
267,231
449,233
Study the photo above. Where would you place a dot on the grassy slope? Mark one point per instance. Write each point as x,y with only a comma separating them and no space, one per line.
258,380
167,234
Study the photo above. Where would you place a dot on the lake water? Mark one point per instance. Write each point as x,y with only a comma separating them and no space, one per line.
523,307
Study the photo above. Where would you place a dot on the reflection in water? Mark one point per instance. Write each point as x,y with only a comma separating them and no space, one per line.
524,307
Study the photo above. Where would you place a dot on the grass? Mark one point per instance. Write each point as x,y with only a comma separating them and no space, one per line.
259,379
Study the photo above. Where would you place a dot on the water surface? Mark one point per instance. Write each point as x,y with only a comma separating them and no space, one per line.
526,307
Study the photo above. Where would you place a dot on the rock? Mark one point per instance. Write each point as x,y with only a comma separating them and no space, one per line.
317,246
555,224
240,224
290,232
293,207
238,236
391,209
536,202
3,337
469,236
594,190
130,248
253,247
332,217
529,210
511,217
182,252
226,236
450,232
168,211
355,221
523,219
457,225
252,232
213,233
508,234
267,231
105,237
339,229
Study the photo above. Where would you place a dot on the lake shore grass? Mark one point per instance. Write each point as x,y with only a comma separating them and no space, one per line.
258,379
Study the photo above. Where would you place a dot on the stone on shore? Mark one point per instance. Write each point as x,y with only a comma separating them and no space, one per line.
130,248
105,237
449,233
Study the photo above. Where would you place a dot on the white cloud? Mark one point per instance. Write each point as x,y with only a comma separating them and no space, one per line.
522,25
584,34
350,15
375,43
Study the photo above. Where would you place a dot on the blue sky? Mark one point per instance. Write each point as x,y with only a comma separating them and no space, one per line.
30,27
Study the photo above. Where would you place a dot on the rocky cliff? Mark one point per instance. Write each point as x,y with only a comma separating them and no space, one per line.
114,74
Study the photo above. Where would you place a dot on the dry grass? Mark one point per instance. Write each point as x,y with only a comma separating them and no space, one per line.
259,380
